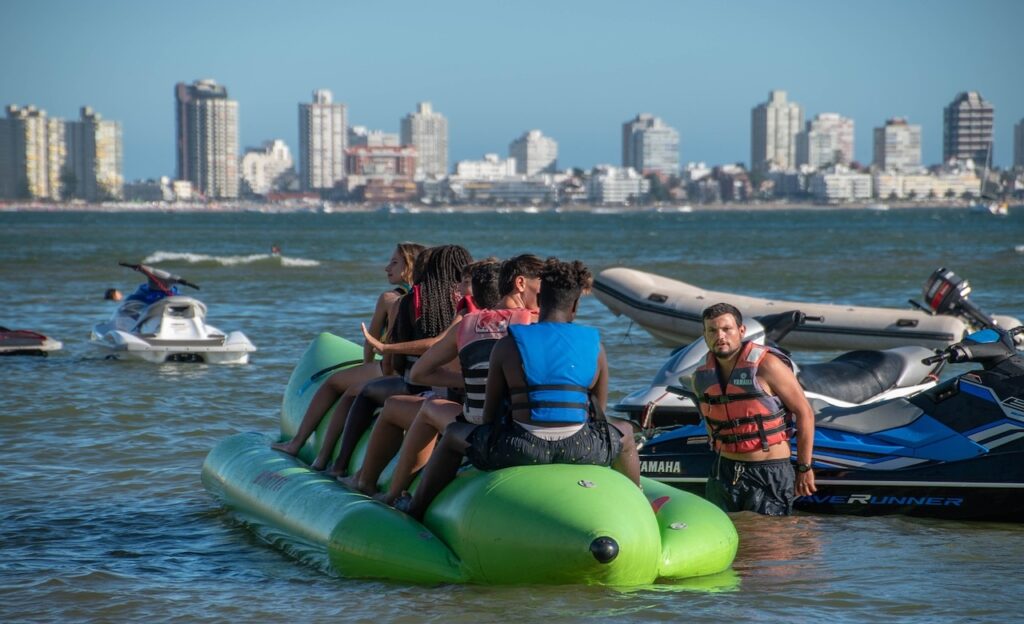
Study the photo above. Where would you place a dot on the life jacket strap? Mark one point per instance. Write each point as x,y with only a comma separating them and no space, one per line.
731,398
539,404
540,387
761,433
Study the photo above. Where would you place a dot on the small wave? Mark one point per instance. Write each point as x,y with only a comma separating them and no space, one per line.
195,258
298,262
1019,249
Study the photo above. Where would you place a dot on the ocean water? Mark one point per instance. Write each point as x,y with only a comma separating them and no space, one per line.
104,517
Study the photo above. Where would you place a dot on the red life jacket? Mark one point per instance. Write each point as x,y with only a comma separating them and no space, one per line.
466,305
477,334
742,417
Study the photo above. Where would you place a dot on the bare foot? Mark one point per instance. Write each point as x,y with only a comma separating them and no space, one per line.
385,497
318,465
351,482
290,447
403,502
334,472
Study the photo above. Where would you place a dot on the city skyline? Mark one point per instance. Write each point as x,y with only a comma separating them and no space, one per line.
571,70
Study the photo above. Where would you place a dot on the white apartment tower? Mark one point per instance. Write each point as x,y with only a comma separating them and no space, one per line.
827,140
95,157
897,146
649,145
261,167
967,129
534,153
362,136
774,126
32,154
427,131
323,137
207,134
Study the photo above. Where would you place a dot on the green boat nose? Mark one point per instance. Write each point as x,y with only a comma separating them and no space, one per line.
604,549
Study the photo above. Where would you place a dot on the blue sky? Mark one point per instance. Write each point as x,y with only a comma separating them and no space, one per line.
575,70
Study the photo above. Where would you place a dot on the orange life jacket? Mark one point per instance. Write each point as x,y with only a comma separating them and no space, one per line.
741,416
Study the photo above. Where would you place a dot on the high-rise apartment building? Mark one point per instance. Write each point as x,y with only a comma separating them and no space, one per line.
262,167
427,131
649,145
94,157
967,129
323,138
361,136
33,154
1018,144
773,128
898,146
534,153
207,138
826,140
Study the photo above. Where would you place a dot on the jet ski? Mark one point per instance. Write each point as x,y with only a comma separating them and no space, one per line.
157,324
953,451
853,378
26,342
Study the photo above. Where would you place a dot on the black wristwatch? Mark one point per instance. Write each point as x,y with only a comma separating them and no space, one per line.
803,467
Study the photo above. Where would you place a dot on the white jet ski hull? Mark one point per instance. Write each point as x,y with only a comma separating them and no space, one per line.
231,349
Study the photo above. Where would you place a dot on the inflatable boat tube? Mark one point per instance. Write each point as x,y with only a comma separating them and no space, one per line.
554,524
670,311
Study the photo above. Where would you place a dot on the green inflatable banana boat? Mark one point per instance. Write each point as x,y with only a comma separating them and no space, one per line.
555,524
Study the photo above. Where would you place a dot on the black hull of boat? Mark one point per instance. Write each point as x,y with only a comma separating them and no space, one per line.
38,352
990,487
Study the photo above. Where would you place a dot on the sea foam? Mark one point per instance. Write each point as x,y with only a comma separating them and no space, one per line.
196,258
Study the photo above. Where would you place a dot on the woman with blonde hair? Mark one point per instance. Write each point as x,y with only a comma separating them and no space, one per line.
347,383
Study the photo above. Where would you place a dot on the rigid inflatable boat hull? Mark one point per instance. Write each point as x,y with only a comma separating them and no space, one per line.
670,310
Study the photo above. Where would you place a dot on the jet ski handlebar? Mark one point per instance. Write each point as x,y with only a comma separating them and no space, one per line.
986,346
777,326
162,278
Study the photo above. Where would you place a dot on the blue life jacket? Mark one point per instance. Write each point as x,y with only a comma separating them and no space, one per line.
149,295
559,364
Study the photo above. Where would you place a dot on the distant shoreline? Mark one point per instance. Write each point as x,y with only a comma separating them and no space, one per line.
415,208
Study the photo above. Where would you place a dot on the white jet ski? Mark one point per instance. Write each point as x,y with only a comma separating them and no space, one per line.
156,324
851,379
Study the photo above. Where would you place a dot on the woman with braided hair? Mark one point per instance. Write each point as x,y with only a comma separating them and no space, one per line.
423,317
347,383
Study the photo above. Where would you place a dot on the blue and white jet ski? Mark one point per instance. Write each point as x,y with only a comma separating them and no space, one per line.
851,379
157,324
953,451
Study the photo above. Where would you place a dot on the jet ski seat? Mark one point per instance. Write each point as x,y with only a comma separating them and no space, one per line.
178,307
853,377
865,420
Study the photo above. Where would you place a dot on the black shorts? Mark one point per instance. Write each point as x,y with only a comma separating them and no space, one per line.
504,444
765,487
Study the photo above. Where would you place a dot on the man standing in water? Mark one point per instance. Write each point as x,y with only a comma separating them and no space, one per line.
749,397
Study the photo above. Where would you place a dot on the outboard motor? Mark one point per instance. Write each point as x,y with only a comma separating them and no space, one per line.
945,292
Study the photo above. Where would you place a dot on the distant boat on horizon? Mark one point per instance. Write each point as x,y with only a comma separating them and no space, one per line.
997,208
